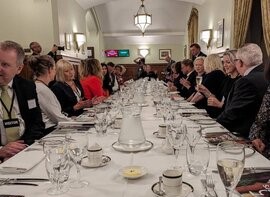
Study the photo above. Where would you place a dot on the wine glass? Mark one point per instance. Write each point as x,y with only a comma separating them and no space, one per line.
230,164
194,133
57,166
198,159
199,80
176,138
77,146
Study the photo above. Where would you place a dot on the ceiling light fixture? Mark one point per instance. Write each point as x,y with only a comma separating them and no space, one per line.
142,19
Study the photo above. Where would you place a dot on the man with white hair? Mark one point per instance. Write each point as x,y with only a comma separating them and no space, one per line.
246,95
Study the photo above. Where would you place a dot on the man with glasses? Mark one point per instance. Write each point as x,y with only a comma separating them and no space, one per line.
247,92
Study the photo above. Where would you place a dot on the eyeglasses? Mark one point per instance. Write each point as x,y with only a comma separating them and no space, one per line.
235,60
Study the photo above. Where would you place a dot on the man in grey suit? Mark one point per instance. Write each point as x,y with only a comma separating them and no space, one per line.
246,94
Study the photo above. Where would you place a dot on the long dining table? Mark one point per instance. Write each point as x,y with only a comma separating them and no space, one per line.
107,181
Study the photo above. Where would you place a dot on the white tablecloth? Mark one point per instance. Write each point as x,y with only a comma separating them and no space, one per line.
106,181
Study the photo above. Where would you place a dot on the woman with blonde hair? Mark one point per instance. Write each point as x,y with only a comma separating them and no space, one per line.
212,81
69,91
92,79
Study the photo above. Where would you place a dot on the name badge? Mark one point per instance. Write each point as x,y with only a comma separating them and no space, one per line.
32,104
11,123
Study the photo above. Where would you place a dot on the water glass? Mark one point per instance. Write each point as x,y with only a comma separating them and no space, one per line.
77,148
57,166
230,164
198,158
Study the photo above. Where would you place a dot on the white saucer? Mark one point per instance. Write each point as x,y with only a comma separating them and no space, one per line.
157,134
186,190
133,172
249,152
142,104
105,160
137,148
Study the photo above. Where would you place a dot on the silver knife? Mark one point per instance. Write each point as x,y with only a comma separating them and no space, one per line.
29,179
15,183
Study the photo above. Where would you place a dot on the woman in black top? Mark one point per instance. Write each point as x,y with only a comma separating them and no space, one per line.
107,87
212,81
68,91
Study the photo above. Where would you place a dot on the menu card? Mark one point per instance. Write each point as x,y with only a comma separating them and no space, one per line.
255,182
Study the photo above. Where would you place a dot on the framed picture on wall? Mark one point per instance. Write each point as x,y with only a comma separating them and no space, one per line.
163,53
90,52
220,34
68,38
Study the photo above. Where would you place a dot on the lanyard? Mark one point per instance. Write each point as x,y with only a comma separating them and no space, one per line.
11,106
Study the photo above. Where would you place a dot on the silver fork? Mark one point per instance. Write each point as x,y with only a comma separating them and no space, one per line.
210,184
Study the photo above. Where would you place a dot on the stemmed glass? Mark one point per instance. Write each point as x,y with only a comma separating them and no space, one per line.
57,165
176,138
230,164
194,133
77,146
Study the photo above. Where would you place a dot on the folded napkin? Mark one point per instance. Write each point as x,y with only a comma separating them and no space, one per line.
22,162
214,130
192,111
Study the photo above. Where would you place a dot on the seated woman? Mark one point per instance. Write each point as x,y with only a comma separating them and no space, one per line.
231,76
44,70
118,70
69,91
212,81
174,83
106,80
92,79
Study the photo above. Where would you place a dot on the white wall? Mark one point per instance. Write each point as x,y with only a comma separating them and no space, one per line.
210,13
153,57
26,21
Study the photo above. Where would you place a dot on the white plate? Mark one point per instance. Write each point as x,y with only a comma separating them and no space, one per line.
186,190
133,172
105,160
142,104
206,122
199,117
249,152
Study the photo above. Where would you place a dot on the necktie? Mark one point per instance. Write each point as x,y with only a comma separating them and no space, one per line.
12,133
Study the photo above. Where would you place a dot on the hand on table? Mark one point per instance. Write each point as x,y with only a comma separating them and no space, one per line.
12,148
259,145
214,102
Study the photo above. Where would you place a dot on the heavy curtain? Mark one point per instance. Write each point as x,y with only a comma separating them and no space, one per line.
242,10
265,6
193,27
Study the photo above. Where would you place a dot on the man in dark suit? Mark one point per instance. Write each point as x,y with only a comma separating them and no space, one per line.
246,95
189,82
20,115
168,69
195,50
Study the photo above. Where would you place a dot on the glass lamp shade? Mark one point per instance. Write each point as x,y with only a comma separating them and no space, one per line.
142,21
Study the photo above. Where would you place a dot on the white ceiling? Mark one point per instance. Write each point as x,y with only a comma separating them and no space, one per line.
169,20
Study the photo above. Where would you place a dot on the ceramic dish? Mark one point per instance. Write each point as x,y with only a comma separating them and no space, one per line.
133,172
185,191
206,122
249,151
105,160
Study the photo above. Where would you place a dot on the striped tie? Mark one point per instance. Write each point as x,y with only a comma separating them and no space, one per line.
12,133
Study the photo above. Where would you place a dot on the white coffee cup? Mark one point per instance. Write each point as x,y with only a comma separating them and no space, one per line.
162,129
172,178
94,154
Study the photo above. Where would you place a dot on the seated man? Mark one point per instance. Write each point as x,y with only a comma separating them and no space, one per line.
20,115
246,95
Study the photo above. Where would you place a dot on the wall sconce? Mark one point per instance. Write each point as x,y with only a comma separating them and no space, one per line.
79,39
206,36
144,52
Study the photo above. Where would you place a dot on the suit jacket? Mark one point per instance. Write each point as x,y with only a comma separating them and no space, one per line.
243,102
201,54
192,79
67,97
34,127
